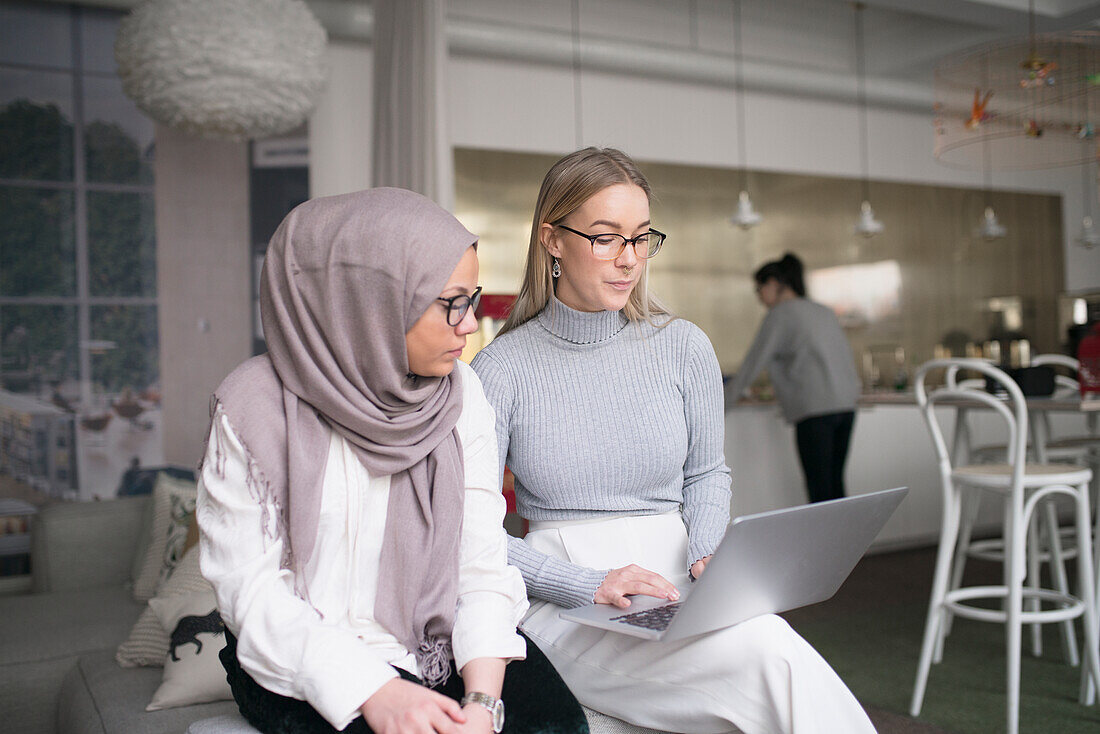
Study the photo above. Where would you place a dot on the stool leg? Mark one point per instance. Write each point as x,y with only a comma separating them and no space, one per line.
1015,561
1061,580
949,532
1032,552
1089,583
971,503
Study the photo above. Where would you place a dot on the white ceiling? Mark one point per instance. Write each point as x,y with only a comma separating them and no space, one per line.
904,37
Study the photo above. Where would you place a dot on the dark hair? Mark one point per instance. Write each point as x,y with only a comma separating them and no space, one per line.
787,270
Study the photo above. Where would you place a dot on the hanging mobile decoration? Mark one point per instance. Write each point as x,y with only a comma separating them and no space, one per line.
1029,99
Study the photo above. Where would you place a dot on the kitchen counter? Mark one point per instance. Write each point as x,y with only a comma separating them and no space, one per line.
890,447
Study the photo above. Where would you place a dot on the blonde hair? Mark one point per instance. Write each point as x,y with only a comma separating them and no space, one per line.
569,183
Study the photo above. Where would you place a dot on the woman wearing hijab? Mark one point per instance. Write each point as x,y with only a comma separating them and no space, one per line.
348,501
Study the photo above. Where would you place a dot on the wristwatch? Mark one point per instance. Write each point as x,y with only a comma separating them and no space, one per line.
494,705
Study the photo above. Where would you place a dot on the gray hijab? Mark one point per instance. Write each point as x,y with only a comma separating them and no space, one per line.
344,279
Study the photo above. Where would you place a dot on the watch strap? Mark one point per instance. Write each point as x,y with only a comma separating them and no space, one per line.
493,705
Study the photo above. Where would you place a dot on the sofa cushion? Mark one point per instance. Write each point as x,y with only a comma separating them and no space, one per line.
100,697
193,672
173,507
82,545
44,636
28,694
65,624
148,640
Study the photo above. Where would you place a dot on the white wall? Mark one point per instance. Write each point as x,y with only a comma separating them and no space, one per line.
505,104
340,128
203,280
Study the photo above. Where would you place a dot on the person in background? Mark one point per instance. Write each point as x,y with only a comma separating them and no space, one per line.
349,507
610,416
809,361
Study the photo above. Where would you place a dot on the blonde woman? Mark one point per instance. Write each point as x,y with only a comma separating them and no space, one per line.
610,414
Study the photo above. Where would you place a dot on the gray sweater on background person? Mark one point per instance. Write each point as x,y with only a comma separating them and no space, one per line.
598,417
808,359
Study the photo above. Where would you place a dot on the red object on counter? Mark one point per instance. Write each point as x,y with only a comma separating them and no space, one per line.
509,490
1088,355
495,306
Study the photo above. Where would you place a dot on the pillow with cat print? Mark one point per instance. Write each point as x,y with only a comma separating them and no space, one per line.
192,671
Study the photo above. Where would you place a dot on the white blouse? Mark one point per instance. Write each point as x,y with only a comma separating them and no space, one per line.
330,651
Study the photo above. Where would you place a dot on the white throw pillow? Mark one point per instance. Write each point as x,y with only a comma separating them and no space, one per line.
173,505
192,671
148,641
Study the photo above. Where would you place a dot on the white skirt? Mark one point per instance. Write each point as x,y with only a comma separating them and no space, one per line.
759,676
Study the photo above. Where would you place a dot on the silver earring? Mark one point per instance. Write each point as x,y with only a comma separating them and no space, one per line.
556,269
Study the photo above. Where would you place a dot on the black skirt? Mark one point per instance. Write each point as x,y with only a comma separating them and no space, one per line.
536,700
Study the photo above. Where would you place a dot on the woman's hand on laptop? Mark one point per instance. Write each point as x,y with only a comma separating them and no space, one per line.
699,566
633,579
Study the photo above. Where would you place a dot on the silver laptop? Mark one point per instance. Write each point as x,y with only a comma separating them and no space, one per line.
766,563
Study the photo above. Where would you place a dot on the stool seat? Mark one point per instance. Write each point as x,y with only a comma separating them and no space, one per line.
1075,442
1075,453
999,476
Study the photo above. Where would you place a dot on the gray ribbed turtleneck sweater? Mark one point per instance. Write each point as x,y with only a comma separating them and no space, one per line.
597,417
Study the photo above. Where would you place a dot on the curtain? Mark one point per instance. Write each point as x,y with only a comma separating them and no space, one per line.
411,145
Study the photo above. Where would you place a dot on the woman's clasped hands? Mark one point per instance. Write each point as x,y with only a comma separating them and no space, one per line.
403,707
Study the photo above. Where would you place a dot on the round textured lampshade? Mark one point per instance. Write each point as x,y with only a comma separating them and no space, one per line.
223,69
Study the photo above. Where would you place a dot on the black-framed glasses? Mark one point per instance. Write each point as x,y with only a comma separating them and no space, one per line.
457,306
608,246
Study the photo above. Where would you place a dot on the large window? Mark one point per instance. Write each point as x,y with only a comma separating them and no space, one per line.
78,292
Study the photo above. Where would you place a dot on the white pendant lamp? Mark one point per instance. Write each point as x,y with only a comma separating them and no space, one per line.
746,217
867,226
990,228
1089,237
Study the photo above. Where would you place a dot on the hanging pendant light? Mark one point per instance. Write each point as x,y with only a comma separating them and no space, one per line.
990,228
1089,236
867,226
223,69
746,217
578,118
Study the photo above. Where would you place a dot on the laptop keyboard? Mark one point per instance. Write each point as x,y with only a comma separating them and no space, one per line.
657,618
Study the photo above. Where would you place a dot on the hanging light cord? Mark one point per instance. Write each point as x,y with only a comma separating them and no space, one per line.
1031,26
861,100
578,130
1086,140
739,86
987,155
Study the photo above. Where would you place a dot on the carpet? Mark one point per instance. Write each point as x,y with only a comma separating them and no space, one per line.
870,632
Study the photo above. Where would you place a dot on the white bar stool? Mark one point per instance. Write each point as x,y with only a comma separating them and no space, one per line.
1021,486
1041,547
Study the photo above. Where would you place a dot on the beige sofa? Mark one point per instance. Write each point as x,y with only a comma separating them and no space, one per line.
57,644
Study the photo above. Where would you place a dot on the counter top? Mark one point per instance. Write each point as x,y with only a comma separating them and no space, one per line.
886,397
